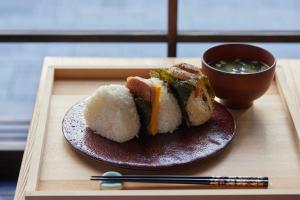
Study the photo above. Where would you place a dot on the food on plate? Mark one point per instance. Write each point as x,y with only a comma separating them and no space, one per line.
240,66
111,113
151,106
192,90
158,109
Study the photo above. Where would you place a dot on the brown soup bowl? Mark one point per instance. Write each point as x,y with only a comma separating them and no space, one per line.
238,91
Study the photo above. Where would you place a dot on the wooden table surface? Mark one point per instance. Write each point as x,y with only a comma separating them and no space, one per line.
292,91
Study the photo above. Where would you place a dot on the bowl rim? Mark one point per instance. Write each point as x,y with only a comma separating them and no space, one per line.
237,74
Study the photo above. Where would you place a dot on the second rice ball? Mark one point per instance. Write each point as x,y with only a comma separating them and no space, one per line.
169,117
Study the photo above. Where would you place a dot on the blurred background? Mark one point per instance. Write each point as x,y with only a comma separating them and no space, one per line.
21,57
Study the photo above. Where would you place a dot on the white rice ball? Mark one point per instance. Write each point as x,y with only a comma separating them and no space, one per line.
169,117
198,110
111,113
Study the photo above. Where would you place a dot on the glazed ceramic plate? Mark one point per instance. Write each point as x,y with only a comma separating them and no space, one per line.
184,146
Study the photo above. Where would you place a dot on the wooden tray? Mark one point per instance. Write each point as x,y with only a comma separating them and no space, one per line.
266,142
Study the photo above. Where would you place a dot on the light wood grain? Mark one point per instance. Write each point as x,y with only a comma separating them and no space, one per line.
29,172
288,74
163,195
256,133
265,142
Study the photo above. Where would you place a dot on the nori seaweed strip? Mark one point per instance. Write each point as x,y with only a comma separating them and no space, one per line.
179,88
182,91
144,111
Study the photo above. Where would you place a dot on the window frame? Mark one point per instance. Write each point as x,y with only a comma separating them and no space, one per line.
171,37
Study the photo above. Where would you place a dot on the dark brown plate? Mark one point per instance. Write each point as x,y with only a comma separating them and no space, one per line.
184,146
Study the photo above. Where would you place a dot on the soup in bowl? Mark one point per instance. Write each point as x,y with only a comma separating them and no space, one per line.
238,73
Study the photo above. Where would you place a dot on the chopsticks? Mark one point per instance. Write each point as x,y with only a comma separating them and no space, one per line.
239,181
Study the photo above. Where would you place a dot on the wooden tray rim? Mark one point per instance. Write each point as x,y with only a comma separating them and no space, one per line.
32,155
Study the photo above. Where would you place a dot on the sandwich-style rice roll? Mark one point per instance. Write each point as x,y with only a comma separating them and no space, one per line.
111,113
198,109
192,91
158,109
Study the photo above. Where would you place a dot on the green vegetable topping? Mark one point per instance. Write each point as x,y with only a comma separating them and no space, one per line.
205,84
240,66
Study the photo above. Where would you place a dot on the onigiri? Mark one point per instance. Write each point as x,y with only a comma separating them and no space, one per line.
158,109
169,115
111,112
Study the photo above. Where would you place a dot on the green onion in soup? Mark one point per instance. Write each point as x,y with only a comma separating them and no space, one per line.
240,66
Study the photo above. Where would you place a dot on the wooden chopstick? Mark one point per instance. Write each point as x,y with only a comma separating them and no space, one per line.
191,177
241,181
